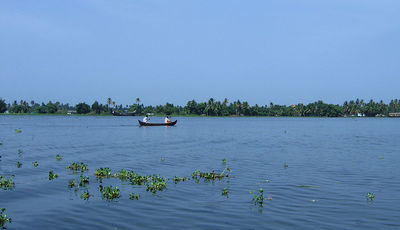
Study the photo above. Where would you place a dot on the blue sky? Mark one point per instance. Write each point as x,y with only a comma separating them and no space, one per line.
284,51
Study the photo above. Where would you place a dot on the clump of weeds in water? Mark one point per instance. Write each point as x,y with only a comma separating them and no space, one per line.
72,183
162,159
18,130
52,175
19,164
19,151
258,199
3,218
134,196
78,167
6,183
85,195
35,164
137,179
103,172
224,161
83,180
211,175
225,192
285,165
110,192
370,196
178,179
123,174
157,184
58,157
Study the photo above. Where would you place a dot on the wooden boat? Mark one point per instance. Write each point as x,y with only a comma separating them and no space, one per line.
141,123
115,113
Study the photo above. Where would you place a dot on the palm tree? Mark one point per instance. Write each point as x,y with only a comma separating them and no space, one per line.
137,101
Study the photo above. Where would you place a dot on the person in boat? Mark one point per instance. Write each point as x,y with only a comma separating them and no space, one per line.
146,119
166,120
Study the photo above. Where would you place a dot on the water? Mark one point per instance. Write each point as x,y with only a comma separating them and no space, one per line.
342,159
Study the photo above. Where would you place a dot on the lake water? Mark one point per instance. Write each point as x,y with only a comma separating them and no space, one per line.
332,163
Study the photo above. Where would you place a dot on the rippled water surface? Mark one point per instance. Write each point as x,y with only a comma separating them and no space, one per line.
332,165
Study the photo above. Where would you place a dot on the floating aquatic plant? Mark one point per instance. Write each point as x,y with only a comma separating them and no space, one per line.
78,167
83,180
110,192
6,183
3,218
370,196
103,172
72,183
19,164
258,199
224,161
85,195
285,165
35,164
157,184
52,175
58,157
137,179
225,192
162,159
18,130
19,151
178,179
211,175
134,196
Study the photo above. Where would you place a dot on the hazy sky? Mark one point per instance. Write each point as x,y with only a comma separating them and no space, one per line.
284,51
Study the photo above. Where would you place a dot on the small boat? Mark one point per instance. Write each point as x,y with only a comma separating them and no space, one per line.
115,113
141,123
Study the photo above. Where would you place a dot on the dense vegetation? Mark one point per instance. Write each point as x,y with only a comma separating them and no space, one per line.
211,108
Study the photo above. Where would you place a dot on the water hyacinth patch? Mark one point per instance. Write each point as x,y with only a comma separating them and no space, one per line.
19,151
78,167
19,164
225,192
134,196
211,175
137,179
58,157
258,199
370,196
224,161
103,172
35,164
83,180
285,165
85,195
6,183
3,218
110,192
72,183
18,130
178,179
52,175
157,184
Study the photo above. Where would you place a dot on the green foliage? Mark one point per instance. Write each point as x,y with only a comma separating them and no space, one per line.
72,183
78,167
157,184
18,131
110,192
85,195
84,180
178,179
19,164
103,172
6,183
370,196
52,175
82,108
285,165
58,157
3,218
3,106
225,192
258,199
211,175
134,196
35,164
224,161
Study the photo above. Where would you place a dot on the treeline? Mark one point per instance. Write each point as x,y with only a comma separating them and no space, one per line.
211,108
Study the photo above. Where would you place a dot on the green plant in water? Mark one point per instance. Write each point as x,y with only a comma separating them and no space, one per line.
6,183
137,179
78,167
225,192
58,157
72,183
370,196
162,159
134,196
211,175
19,151
19,164
18,130
157,184
35,164
285,165
83,180
178,179
224,161
103,172
258,199
110,192
85,195
52,175
3,218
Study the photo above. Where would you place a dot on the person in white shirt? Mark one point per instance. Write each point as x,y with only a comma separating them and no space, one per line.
146,119
166,120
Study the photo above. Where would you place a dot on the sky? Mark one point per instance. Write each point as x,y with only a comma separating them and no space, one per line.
280,51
